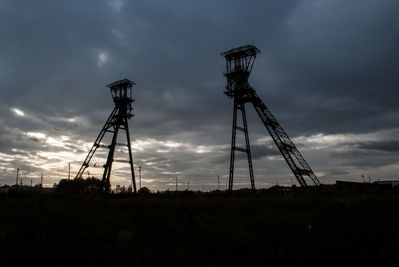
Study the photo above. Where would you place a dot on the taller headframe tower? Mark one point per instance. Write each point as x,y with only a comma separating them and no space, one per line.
239,63
121,92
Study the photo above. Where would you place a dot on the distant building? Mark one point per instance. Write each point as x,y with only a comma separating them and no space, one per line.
387,184
25,189
357,185
350,185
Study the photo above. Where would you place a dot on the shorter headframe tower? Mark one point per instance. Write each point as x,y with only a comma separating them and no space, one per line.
121,92
239,63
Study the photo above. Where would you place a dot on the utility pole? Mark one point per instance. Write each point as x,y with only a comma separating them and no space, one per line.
218,182
17,176
41,181
188,185
69,171
140,176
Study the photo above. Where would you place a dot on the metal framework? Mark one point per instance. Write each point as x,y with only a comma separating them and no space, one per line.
121,92
239,64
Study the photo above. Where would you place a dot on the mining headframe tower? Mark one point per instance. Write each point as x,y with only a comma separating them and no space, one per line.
121,92
239,64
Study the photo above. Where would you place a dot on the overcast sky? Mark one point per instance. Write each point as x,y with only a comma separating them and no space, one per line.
327,71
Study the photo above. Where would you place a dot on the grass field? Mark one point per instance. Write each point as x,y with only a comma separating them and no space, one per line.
267,229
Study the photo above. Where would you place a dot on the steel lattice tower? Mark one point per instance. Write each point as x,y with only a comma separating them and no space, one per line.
121,92
239,63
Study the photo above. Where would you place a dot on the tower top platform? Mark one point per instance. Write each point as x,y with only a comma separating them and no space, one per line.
121,92
121,83
241,52
239,62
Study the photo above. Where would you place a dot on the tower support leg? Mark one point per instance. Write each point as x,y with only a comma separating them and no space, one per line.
241,107
244,121
108,165
130,155
93,150
233,144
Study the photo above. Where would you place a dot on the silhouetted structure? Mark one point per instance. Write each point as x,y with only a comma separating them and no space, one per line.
387,184
352,185
17,176
121,92
239,63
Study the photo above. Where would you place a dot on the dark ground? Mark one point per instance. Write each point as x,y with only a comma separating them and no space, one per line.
265,229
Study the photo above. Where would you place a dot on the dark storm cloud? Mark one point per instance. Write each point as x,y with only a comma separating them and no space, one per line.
369,153
326,67
385,146
365,159
339,172
259,152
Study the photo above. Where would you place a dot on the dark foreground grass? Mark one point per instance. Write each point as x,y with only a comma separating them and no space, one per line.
156,230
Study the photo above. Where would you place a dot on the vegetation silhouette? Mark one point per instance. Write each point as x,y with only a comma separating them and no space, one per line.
279,226
90,185
144,191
